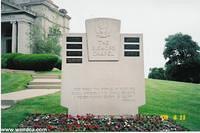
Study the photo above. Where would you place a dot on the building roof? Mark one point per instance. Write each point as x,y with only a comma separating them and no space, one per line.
16,9
23,6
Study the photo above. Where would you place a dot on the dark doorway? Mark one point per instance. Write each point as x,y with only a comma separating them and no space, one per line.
6,37
6,29
9,46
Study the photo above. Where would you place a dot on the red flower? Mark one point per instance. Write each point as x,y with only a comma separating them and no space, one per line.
69,116
78,125
69,126
82,118
75,123
96,126
36,126
50,127
91,126
78,116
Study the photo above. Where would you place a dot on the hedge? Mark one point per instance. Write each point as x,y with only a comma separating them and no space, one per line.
59,64
7,60
36,62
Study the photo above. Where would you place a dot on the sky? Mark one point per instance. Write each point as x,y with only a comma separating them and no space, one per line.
155,19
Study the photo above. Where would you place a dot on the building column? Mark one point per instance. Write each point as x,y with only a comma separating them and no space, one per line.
24,37
14,37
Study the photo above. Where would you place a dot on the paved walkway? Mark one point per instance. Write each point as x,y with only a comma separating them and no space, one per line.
42,84
22,71
9,99
28,93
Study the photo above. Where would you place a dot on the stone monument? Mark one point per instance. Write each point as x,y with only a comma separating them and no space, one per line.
103,70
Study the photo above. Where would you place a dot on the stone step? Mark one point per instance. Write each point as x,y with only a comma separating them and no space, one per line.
8,102
44,86
5,106
45,81
46,76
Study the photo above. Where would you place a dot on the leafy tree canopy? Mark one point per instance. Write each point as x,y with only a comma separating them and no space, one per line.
180,48
42,43
157,73
183,58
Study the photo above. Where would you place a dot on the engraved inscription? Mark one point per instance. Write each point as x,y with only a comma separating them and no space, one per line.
121,93
103,38
102,29
103,46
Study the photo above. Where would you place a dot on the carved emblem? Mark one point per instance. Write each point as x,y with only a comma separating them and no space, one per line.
102,29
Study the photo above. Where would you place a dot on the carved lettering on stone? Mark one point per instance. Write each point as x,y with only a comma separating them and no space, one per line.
103,39
118,93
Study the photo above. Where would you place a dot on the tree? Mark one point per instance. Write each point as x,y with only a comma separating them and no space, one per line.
183,58
45,44
157,73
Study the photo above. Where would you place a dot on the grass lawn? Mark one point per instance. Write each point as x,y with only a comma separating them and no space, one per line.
43,104
174,98
14,81
162,97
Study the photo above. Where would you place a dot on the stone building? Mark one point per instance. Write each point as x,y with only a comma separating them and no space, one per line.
18,16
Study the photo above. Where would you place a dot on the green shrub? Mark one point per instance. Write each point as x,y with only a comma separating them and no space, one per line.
7,60
4,59
59,64
36,62
157,73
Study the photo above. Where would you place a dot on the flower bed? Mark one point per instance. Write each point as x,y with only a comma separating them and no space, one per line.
63,122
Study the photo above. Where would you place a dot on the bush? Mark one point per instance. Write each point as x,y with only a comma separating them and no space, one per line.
7,60
59,64
42,44
157,73
36,62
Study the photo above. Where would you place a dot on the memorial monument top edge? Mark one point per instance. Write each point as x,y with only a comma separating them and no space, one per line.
102,18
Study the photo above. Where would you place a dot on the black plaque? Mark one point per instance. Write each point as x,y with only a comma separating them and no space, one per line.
74,53
74,60
74,46
132,39
131,46
74,39
131,53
